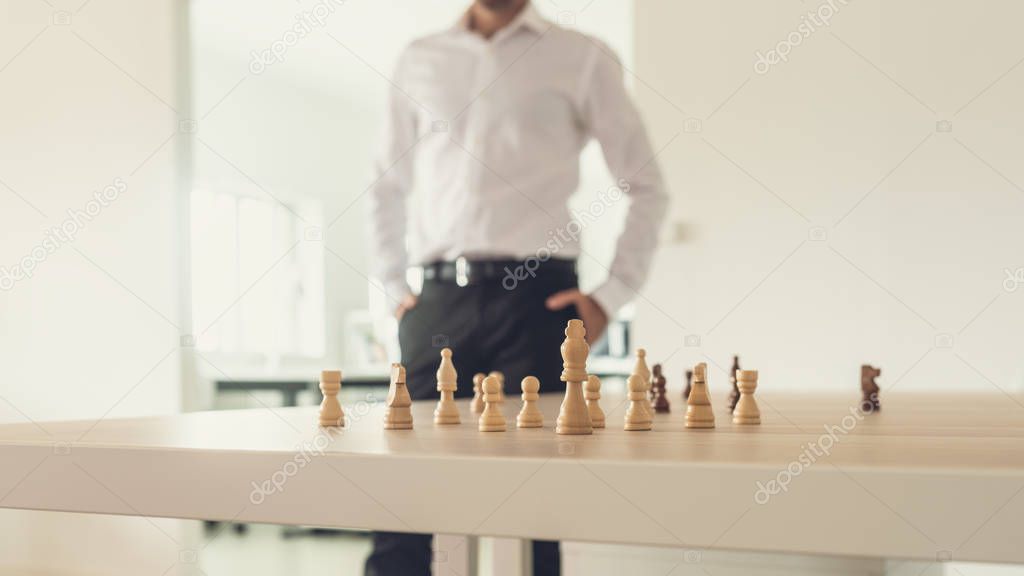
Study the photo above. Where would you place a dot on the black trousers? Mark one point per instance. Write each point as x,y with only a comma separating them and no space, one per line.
489,325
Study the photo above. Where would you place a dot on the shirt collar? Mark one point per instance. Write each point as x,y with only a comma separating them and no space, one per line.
528,18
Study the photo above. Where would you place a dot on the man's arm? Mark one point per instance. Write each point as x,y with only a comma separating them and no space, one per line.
609,114
393,179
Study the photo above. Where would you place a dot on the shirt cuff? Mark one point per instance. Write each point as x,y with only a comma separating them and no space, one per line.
612,296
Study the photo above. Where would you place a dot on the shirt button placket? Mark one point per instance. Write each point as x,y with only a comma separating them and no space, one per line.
476,137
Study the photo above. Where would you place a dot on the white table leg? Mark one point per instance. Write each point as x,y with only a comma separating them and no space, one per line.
505,557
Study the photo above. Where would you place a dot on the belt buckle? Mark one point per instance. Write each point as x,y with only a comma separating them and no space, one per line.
461,271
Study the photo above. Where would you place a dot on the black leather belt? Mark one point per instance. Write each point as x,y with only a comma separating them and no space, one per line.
464,271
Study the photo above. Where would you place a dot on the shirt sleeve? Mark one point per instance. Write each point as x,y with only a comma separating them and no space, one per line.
611,117
393,180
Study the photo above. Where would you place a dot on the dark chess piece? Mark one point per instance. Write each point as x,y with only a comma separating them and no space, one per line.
689,382
869,388
659,399
734,394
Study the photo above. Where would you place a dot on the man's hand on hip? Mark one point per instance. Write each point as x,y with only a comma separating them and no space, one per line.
408,303
595,320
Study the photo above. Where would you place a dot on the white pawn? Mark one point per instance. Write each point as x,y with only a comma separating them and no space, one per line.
477,406
574,417
638,416
398,414
501,390
746,411
698,406
492,419
530,416
501,384
592,394
331,413
447,411
641,370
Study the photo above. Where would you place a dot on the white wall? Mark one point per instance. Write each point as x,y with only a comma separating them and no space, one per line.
87,96
830,143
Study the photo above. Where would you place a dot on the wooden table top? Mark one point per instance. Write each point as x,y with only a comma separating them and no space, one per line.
926,476
912,431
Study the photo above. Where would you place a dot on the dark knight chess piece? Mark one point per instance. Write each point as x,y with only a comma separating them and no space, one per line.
659,399
869,388
734,394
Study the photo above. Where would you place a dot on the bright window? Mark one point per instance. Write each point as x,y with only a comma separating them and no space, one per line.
257,283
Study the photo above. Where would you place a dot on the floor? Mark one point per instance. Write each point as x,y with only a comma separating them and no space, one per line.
268,550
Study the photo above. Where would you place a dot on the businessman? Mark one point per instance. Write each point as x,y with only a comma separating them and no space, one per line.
484,128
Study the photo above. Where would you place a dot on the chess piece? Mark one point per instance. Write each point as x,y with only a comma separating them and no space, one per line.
734,392
637,415
492,419
746,411
501,389
398,414
574,417
869,388
331,413
530,415
447,411
689,383
501,383
592,394
659,399
698,407
640,369
477,405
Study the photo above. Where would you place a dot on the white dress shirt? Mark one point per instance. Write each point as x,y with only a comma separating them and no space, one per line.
481,153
